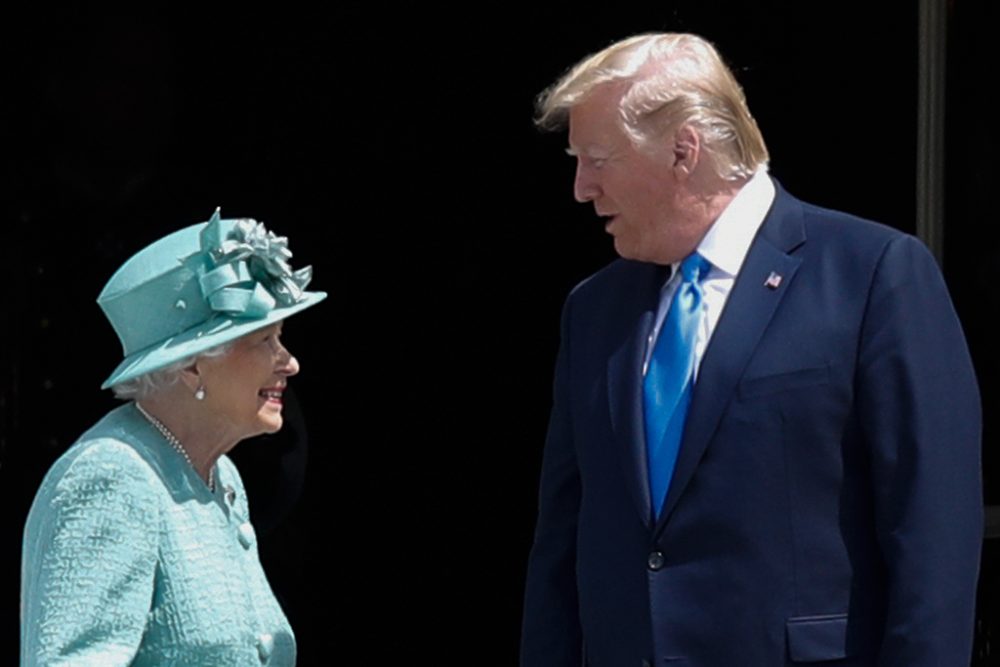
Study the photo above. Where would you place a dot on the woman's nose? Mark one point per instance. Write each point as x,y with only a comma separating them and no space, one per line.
287,364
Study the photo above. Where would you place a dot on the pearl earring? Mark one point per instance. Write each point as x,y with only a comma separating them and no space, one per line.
199,393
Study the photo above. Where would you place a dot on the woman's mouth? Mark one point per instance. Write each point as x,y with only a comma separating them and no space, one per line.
271,395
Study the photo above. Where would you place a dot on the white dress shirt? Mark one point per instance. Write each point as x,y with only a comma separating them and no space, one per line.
725,245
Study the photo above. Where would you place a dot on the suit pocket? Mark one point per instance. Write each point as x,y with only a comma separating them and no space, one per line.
779,382
817,638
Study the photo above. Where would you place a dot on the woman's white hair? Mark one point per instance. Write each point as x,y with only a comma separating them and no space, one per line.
153,382
670,79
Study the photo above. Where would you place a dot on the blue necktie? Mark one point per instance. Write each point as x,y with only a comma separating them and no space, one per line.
667,387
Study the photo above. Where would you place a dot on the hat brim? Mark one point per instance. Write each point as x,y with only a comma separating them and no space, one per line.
218,330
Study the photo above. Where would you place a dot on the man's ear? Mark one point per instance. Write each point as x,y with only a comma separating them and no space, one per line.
686,150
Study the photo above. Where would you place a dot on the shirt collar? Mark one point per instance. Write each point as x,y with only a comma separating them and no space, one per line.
728,240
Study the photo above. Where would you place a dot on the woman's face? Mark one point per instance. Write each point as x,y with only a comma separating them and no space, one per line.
244,386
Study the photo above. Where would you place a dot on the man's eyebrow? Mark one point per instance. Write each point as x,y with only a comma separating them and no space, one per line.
592,152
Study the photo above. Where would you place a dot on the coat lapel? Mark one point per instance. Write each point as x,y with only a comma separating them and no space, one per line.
749,308
625,388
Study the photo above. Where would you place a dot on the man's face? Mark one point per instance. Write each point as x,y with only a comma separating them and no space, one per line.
643,195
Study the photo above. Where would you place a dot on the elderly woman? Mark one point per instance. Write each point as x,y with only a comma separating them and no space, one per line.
138,549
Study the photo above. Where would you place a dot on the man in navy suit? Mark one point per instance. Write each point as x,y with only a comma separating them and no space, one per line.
823,502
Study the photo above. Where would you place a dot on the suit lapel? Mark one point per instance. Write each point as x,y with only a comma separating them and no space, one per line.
749,308
625,387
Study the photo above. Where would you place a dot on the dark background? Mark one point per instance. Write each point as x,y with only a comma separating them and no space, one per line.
396,150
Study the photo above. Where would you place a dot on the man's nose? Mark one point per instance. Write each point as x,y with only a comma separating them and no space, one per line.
585,187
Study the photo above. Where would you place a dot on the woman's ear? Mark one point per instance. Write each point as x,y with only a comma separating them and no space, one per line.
191,377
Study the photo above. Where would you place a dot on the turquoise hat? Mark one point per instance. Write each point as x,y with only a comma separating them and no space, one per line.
200,287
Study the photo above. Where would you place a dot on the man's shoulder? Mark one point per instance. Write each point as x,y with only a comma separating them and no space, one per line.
831,225
836,243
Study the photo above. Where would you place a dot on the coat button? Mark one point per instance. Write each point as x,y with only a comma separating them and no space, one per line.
246,534
265,646
655,561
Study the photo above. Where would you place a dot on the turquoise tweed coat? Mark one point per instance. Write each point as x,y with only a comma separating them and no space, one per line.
130,559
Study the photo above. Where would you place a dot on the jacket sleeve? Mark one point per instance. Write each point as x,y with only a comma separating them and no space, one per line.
89,560
551,634
921,415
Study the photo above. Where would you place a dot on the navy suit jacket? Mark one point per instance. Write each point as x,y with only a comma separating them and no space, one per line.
826,503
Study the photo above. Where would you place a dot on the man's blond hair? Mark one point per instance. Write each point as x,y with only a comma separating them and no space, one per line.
669,79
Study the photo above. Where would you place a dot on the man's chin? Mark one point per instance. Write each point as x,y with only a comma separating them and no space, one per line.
637,254
625,251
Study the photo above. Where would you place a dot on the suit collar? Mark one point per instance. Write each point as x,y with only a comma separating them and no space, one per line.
764,279
784,226
624,377
749,309
728,240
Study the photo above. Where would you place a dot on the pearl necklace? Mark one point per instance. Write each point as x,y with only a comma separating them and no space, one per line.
175,443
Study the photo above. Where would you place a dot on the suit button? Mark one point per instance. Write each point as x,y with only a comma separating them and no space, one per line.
655,561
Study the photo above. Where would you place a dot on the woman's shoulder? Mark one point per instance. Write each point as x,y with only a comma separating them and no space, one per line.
117,437
108,455
91,541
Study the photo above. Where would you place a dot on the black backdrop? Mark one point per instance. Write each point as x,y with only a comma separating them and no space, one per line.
395,148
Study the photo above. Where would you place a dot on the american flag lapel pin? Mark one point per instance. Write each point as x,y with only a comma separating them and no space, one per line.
773,281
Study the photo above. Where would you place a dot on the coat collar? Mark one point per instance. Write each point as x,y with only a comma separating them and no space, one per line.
751,304
749,308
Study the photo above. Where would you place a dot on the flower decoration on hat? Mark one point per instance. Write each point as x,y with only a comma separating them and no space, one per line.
247,272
